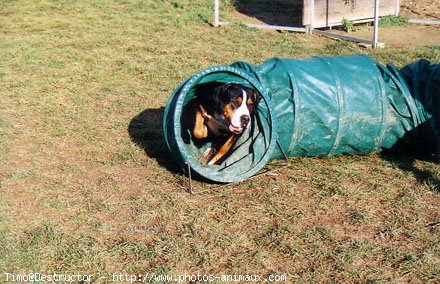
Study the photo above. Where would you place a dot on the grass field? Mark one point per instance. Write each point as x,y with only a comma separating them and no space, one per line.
87,185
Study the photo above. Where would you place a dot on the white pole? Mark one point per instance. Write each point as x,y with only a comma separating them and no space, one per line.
376,23
216,12
396,7
311,15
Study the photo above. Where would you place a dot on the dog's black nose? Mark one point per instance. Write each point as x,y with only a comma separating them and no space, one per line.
244,119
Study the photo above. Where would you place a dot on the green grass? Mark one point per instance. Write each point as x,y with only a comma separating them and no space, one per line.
348,25
87,186
392,21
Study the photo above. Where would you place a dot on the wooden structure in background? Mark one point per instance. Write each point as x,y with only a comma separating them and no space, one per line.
329,13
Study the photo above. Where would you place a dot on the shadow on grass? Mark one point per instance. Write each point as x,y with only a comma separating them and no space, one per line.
416,145
145,129
407,163
276,12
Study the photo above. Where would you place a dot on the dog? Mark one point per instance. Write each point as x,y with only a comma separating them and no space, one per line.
221,116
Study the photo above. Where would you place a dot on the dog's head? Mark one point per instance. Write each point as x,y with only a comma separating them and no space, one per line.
235,105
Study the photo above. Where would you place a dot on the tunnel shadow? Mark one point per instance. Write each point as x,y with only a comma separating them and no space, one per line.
146,131
275,12
408,163
416,145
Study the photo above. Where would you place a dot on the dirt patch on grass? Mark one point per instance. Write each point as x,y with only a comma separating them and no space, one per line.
404,36
420,9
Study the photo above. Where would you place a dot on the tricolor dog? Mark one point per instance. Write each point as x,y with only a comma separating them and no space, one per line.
221,116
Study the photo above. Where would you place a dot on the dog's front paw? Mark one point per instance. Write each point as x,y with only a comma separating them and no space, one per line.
207,156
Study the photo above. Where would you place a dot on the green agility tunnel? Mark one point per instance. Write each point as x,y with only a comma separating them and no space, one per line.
318,107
